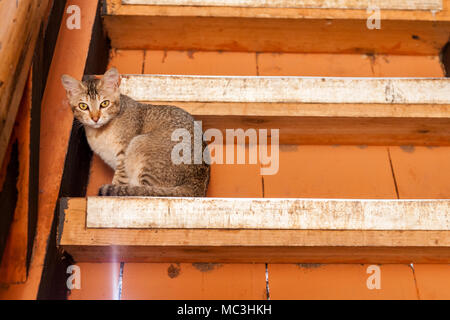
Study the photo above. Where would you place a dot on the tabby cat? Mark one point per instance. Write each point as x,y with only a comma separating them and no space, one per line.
135,140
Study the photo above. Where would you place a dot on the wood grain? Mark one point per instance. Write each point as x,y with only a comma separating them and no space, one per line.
248,89
309,30
367,111
13,266
245,213
20,27
284,246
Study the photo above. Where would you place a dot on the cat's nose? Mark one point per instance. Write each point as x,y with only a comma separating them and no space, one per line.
95,119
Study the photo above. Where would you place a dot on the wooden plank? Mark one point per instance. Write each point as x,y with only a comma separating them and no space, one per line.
18,35
318,4
281,246
245,213
118,8
252,89
310,110
255,29
13,266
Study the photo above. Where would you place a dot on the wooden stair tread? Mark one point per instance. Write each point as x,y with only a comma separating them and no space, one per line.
314,4
249,89
407,27
403,233
310,110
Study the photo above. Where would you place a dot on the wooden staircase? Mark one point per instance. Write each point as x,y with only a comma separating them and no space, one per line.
307,110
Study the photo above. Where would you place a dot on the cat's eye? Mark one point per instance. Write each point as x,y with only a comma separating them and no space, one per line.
104,104
83,106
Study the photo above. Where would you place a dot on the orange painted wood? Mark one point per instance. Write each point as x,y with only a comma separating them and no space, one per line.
175,281
127,61
200,63
235,180
422,172
332,172
56,124
433,281
341,282
348,65
274,29
13,268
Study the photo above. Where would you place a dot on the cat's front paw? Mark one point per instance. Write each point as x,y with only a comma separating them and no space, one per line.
106,190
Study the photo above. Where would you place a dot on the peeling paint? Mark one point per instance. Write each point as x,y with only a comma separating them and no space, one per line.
206,267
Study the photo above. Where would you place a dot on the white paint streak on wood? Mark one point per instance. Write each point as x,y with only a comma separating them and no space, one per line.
314,4
287,89
301,214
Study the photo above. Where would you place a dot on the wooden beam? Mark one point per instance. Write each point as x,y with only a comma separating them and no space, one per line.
290,214
234,27
13,266
248,89
310,110
245,245
20,28
317,4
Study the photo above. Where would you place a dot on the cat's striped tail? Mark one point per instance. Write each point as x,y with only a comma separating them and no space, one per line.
150,191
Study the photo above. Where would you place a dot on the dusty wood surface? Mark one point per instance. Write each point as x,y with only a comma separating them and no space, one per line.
117,7
21,22
287,89
328,4
281,246
295,214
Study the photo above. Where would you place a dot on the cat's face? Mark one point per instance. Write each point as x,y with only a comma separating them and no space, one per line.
94,102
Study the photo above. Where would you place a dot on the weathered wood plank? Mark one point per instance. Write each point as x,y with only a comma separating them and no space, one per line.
310,110
13,266
287,89
245,245
318,4
18,35
301,214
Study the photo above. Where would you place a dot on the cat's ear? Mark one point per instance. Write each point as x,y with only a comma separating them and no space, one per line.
111,79
72,86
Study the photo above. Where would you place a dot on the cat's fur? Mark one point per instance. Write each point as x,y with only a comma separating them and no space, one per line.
135,140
